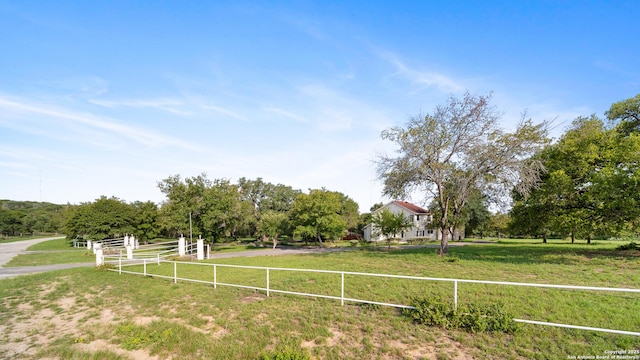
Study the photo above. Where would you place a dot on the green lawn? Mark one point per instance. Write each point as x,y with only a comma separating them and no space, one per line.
190,320
58,251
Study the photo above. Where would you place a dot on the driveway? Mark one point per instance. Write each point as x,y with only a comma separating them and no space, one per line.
9,250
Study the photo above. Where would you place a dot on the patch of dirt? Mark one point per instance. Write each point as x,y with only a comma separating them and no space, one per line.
101,345
252,298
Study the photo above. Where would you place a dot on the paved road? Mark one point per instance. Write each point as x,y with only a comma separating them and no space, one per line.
9,250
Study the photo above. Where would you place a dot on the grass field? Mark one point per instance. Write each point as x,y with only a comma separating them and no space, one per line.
58,251
89,314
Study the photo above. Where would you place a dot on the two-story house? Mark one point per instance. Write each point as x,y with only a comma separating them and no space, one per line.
419,217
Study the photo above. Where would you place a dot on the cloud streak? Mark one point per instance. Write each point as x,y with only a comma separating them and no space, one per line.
425,79
74,121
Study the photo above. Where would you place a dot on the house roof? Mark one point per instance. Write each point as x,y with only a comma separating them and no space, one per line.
411,207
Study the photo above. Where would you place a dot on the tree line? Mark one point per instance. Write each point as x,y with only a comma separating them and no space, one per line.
30,217
218,210
591,186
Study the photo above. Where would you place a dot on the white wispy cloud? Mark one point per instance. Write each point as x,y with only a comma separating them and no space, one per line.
287,114
27,111
223,111
422,78
171,105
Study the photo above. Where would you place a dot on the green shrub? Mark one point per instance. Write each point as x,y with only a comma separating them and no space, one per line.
630,246
286,353
473,318
485,318
431,311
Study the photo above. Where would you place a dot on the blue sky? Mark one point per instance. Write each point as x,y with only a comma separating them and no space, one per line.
108,98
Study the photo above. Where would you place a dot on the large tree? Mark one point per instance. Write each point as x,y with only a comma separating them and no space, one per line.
102,219
264,197
590,187
459,148
319,215
626,114
215,208
272,224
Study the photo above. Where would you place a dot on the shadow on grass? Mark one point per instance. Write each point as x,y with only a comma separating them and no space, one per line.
513,254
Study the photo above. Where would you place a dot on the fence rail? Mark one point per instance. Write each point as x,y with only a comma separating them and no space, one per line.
122,263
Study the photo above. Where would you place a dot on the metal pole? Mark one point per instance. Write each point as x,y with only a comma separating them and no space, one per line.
455,295
342,290
120,266
190,233
144,261
267,282
175,272
215,277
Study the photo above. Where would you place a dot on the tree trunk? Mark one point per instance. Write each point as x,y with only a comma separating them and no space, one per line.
275,241
573,237
589,239
320,239
544,237
444,242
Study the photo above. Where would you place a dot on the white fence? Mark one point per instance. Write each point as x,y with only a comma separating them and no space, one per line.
122,264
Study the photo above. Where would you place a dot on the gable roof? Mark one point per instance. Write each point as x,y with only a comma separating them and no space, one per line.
411,207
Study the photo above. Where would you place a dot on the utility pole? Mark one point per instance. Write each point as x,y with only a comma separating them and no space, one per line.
190,234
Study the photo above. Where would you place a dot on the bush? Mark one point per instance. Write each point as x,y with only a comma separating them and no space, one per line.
630,246
486,318
286,353
473,318
431,311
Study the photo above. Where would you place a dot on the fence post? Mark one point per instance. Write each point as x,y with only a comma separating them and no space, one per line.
342,290
215,276
158,259
120,266
175,272
267,282
144,263
455,295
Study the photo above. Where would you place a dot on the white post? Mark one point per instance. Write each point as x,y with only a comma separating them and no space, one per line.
175,272
200,248
267,282
126,240
181,246
89,244
455,295
215,276
342,290
133,242
96,246
99,257
144,263
129,252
